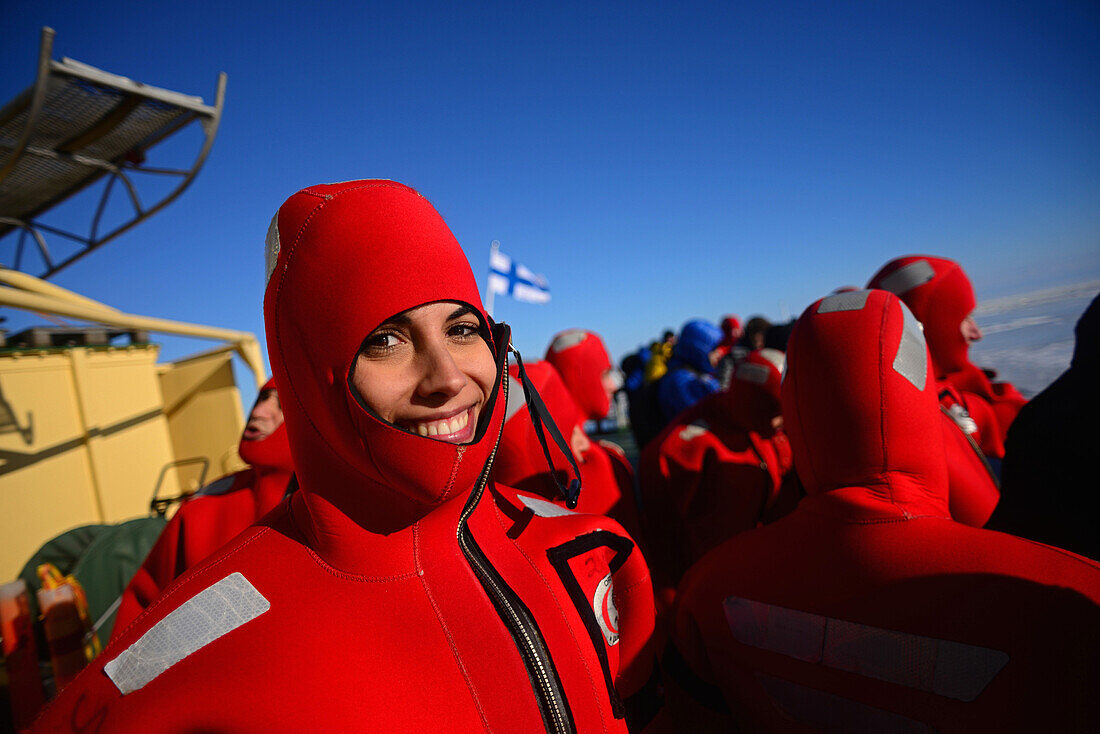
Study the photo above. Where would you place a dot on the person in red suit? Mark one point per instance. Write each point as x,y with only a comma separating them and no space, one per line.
217,512
581,359
584,365
868,608
399,588
719,469
940,295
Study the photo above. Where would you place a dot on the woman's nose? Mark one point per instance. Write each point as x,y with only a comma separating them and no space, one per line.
442,375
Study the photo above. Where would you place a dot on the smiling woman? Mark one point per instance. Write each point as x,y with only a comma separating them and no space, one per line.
428,370
400,588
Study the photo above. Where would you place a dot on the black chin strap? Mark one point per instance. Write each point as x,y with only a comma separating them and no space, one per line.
541,419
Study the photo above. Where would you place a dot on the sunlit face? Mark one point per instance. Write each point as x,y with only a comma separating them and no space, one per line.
266,416
970,330
427,370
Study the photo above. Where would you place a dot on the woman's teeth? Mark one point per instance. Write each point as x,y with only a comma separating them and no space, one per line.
444,427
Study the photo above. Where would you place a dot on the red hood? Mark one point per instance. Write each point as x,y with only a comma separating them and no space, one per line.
939,294
860,406
752,399
344,258
520,455
271,453
581,359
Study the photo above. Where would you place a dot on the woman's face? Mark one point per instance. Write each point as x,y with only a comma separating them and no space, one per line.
427,370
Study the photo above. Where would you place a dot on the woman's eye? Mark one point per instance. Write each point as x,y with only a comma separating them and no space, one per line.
463,330
380,342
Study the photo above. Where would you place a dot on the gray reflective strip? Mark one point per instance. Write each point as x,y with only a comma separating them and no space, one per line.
271,247
542,508
566,339
757,374
908,277
776,357
694,430
517,398
850,301
945,668
220,486
911,361
203,618
831,713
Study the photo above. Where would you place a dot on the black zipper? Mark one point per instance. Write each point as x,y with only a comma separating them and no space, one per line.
517,618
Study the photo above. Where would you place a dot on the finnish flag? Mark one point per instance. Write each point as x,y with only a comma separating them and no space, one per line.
509,278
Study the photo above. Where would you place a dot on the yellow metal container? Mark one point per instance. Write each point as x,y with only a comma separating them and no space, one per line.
85,433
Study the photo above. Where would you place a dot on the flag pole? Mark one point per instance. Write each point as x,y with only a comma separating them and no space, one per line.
493,247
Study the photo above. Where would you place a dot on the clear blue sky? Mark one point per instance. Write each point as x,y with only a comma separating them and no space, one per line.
655,162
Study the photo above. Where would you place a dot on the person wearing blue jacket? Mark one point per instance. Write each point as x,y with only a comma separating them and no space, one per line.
690,376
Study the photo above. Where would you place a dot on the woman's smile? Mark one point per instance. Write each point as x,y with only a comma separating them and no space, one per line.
456,428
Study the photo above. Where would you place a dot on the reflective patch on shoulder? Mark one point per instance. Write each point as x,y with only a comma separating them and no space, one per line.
543,508
694,430
850,301
757,374
218,487
210,614
911,361
908,277
945,668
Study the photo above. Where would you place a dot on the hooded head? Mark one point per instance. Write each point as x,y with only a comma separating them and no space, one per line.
520,460
697,340
860,405
342,260
752,398
752,335
271,451
582,361
731,330
939,294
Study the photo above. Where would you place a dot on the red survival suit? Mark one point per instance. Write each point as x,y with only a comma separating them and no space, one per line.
210,519
398,589
940,295
583,363
716,471
868,608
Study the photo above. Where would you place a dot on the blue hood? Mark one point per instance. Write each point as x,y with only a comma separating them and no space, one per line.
697,340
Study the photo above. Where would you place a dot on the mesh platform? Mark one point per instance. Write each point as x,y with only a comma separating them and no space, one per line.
74,127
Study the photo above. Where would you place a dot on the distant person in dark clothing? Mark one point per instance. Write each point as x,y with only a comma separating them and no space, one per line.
777,335
753,336
1050,454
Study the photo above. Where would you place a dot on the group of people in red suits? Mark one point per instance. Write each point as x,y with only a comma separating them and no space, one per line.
428,539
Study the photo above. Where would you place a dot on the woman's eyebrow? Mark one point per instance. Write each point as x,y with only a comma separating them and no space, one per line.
401,319
460,312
